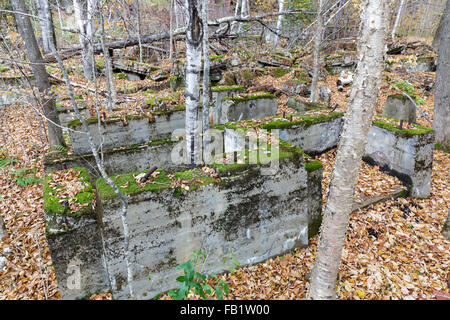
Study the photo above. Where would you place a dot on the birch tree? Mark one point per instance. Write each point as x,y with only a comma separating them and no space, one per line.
194,36
397,19
245,13
206,85
84,10
43,10
358,118
441,122
279,22
317,42
55,136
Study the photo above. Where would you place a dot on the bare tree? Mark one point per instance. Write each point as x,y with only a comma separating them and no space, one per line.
358,118
139,29
279,22
84,10
194,36
441,122
44,10
206,85
397,19
317,42
37,65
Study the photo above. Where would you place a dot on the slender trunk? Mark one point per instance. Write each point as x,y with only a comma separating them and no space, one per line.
122,197
279,22
358,118
397,19
43,10
60,18
83,16
206,84
441,122
236,11
171,31
194,35
111,86
34,55
244,13
139,30
317,42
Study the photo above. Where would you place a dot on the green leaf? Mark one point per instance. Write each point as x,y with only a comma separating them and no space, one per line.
181,278
219,293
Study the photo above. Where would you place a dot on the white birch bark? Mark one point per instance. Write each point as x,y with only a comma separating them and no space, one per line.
206,84
43,10
245,12
317,42
83,15
110,84
358,117
139,30
171,30
122,197
279,22
397,19
194,35
236,11
441,121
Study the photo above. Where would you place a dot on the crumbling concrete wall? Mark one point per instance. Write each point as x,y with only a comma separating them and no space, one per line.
249,215
407,154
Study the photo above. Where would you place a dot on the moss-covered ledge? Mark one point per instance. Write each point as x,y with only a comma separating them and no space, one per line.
248,97
226,88
53,204
418,129
191,180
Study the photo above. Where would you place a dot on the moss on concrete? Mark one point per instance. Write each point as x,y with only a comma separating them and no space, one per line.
313,165
420,130
254,96
305,121
227,88
53,205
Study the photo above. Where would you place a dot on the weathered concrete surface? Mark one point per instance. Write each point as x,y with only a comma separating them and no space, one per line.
67,115
313,138
133,66
249,215
413,65
237,109
407,156
218,93
399,107
118,161
301,106
75,248
136,131
8,97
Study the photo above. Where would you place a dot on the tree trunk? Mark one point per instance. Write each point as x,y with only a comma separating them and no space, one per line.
44,10
317,41
84,10
111,86
139,30
171,31
34,55
244,13
279,22
397,19
194,36
236,11
441,122
438,33
206,84
358,118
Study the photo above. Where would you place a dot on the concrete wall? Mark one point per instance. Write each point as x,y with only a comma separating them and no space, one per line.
249,215
244,110
409,157
137,131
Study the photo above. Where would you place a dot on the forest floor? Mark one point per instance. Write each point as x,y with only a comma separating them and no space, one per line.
393,250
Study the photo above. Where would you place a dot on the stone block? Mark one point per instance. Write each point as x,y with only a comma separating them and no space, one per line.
399,107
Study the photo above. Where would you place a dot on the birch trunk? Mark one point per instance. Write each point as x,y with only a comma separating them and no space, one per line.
358,118
236,11
139,30
122,197
194,35
206,84
244,13
110,84
441,121
43,10
83,15
397,19
55,136
279,22
317,41
171,30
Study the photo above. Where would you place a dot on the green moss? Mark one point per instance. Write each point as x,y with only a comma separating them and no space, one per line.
3,69
314,165
126,183
442,147
227,88
256,95
100,64
403,132
305,121
121,75
279,72
52,203
160,142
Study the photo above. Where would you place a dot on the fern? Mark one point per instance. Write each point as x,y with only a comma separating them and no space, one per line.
58,149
